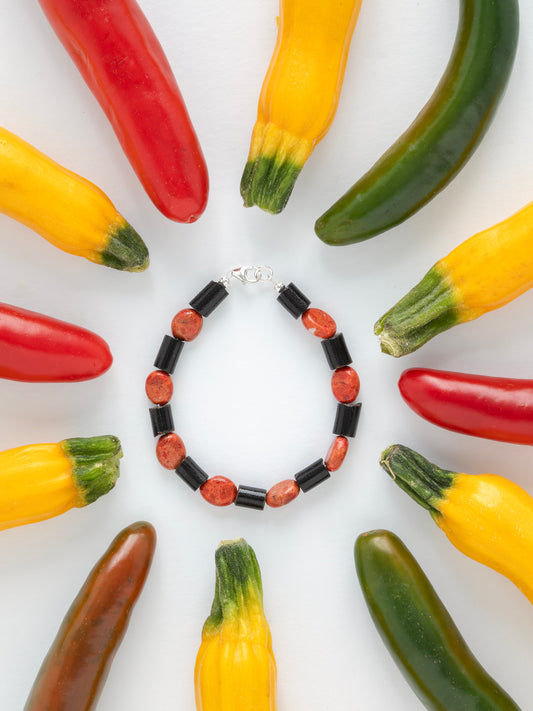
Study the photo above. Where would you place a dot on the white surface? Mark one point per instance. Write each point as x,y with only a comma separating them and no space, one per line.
252,394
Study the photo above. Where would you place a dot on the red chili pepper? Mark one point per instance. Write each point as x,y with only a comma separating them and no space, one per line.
479,405
74,670
37,348
122,62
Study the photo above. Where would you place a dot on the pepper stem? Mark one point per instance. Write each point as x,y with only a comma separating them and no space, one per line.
424,312
426,483
95,465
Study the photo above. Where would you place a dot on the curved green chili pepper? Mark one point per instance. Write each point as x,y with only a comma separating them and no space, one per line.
442,137
419,632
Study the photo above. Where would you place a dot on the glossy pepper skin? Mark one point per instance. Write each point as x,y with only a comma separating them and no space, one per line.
442,137
299,96
235,666
64,208
37,348
418,631
485,516
477,405
39,481
120,58
483,273
74,671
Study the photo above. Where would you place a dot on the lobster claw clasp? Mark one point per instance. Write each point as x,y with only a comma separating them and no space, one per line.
251,274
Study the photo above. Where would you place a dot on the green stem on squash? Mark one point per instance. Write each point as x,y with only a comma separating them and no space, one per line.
427,310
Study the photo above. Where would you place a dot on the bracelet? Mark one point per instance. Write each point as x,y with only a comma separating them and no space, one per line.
185,327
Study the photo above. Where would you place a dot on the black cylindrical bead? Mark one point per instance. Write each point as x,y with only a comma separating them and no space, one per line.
336,351
346,419
191,473
162,420
251,497
209,298
168,354
293,300
312,475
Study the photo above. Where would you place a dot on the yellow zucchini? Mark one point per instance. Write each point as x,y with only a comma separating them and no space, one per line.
235,666
64,208
39,481
299,96
487,517
482,274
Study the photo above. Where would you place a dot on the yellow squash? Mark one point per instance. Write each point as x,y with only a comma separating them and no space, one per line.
64,208
235,666
483,273
487,517
39,481
299,96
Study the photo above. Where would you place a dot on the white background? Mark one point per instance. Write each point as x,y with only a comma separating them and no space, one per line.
252,393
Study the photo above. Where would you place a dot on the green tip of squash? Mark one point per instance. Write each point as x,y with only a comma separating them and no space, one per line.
268,183
425,482
428,309
95,465
238,585
125,250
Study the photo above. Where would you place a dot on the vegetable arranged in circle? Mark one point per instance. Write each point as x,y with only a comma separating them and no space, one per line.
482,274
418,631
64,208
235,666
478,405
485,516
39,481
120,58
442,137
38,348
299,96
74,671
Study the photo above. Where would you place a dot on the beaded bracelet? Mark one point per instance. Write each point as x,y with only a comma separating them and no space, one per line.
186,325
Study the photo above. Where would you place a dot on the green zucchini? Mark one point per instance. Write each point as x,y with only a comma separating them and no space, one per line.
442,137
419,632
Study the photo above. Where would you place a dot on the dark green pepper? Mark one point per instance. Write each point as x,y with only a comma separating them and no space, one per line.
419,632
442,137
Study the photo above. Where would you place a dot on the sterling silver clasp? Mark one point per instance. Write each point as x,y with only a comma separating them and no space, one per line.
251,275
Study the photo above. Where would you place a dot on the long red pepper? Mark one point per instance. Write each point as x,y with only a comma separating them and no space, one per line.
38,348
479,405
117,53
74,670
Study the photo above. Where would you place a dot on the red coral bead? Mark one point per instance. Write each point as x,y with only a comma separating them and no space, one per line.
219,491
170,450
159,387
345,384
282,493
319,323
336,453
187,324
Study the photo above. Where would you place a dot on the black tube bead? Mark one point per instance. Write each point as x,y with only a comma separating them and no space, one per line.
191,473
251,497
168,354
312,475
293,300
336,351
162,420
206,301
347,419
